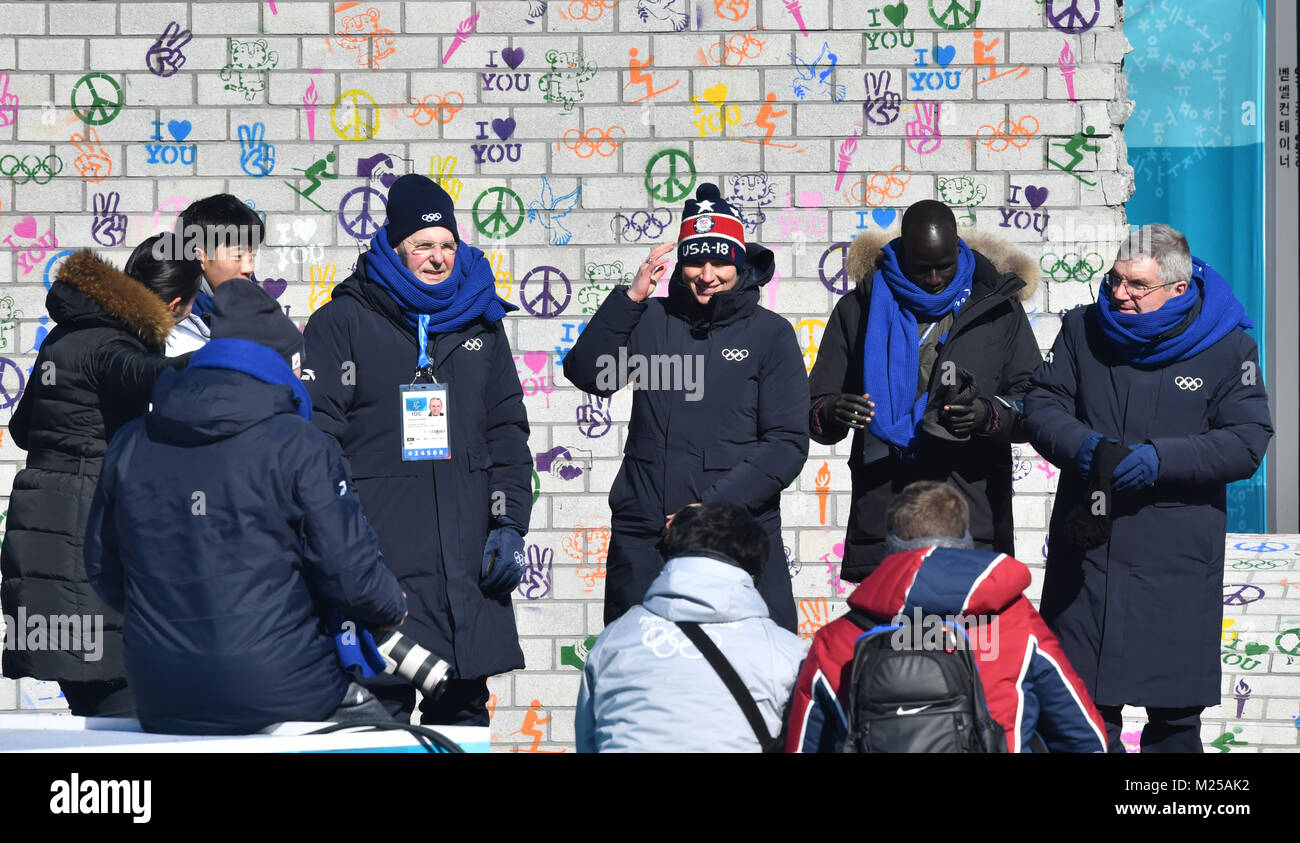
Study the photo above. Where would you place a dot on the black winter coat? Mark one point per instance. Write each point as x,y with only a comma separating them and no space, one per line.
92,375
433,516
224,528
991,339
740,436
1140,617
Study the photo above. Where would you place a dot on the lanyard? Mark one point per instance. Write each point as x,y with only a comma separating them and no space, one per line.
423,366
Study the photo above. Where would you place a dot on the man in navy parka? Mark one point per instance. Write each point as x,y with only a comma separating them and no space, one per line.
1150,401
422,307
720,407
223,527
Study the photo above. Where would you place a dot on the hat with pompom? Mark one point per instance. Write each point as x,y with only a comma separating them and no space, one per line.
710,229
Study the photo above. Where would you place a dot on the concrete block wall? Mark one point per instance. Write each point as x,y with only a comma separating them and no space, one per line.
822,118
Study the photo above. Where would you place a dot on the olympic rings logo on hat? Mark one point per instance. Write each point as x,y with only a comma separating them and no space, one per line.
735,353
1191,384
431,217
704,225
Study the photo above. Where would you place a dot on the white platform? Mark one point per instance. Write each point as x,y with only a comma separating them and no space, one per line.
66,733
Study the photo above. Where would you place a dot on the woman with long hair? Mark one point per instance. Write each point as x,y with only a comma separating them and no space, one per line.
94,373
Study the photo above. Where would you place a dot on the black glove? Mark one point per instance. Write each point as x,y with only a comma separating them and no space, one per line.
961,420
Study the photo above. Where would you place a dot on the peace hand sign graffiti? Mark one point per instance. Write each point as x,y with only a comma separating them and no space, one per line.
881,104
164,57
108,227
923,134
94,164
256,156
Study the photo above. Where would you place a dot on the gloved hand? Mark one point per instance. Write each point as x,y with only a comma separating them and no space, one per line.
503,562
1138,470
848,410
965,419
1083,459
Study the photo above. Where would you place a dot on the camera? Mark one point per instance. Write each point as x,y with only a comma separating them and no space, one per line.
405,658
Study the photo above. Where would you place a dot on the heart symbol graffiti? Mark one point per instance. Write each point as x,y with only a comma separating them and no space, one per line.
896,13
1035,195
535,360
884,217
180,129
514,56
304,229
26,228
1256,649
275,286
716,95
944,55
504,128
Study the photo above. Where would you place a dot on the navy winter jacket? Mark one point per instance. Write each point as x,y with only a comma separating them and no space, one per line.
432,516
224,528
735,432
1141,616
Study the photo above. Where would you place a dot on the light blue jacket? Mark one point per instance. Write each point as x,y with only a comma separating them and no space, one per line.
646,688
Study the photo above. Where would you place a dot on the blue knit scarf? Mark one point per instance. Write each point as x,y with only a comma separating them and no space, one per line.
468,293
892,360
1152,339
254,359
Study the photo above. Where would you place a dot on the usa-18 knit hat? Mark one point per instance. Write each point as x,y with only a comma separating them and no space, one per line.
710,229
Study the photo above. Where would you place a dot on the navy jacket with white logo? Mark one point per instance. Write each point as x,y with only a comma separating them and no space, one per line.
737,431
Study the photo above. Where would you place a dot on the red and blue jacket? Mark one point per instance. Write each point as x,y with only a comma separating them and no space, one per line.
1030,686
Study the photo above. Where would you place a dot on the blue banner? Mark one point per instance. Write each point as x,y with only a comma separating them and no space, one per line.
1196,144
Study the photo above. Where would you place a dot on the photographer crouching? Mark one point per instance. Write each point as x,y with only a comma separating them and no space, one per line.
226,531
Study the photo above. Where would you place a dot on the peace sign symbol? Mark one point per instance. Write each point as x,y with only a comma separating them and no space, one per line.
7,399
99,110
56,262
954,15
1238,595
544,305
1294,649
355,128
363,224
670,188
1069,19
839,282
1262,547
497,225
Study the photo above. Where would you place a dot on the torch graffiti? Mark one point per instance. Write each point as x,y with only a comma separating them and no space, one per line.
1242,693
823,483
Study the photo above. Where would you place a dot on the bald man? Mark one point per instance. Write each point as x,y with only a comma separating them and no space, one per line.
926,362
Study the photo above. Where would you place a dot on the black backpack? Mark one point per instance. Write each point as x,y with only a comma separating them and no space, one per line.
908,699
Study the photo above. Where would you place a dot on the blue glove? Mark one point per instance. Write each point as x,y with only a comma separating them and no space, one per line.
1083,459
1137,470
503,562
355,646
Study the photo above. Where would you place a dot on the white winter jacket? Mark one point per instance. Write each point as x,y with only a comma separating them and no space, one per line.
645,687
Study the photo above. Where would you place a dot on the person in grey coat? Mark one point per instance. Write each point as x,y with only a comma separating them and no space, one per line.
1150,401
646,688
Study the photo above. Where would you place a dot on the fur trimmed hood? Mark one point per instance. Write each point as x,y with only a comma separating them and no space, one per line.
121,297
1005,256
